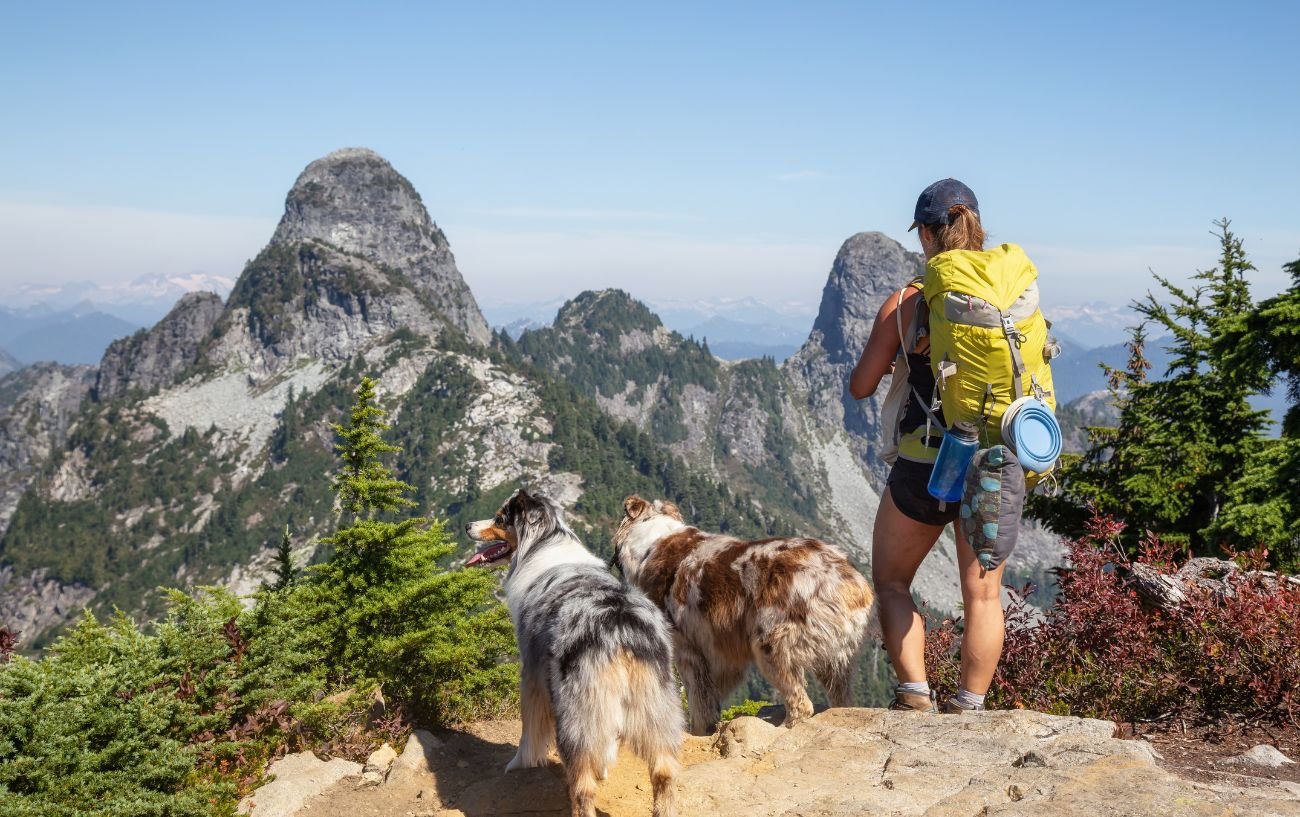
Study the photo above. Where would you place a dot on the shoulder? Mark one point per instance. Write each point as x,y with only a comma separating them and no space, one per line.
905,299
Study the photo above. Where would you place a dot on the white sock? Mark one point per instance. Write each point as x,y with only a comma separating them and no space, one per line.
968,698
914,688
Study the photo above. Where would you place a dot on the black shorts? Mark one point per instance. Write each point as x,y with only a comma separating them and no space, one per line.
907,481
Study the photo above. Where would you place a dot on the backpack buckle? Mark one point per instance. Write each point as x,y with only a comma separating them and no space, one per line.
1009,329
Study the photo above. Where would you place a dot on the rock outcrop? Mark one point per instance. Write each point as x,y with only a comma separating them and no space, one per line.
841,762
354,200
995,763
844,434
152,359
296,779
37,407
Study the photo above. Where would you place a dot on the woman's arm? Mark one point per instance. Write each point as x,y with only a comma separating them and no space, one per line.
882,347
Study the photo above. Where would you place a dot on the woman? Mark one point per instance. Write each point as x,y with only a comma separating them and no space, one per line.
909,520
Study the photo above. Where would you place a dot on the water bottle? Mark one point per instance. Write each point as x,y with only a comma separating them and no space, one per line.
948,479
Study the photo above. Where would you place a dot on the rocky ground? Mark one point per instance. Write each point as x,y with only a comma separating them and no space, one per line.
841,762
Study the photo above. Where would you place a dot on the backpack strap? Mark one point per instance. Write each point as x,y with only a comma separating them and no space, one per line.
927,406
1014,339
898,312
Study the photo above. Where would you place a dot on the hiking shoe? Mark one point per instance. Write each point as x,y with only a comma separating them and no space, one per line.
913,702
952,706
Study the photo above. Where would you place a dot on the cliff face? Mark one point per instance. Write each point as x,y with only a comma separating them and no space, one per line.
37,407
354,200
154,358
868,267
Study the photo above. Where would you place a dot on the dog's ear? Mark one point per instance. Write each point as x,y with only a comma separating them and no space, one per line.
634,506
517,505
669,509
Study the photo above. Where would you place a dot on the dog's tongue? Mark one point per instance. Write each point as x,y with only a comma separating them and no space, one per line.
489,554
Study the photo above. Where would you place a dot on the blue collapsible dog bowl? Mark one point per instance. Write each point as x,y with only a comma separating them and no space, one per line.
1030,428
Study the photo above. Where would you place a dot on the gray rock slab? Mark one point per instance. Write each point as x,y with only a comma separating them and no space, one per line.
297,778
417,758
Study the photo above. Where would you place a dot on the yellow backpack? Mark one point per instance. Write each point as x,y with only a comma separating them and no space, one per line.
989,341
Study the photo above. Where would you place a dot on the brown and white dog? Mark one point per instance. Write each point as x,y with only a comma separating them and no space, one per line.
791,605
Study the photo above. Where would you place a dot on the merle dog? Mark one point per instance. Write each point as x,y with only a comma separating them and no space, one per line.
596,655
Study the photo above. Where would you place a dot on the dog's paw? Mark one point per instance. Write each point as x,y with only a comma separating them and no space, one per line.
604,773
522,761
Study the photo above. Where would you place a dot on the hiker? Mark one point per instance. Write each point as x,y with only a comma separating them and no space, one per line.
964,342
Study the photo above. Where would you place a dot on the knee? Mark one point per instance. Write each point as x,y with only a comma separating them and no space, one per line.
890,589
982,591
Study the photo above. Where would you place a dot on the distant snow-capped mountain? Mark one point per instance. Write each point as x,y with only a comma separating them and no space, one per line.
142,301
1092,324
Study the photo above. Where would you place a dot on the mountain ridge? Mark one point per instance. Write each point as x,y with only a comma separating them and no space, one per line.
185,454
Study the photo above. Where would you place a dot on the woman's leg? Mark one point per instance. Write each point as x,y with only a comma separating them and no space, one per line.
898,546
981,594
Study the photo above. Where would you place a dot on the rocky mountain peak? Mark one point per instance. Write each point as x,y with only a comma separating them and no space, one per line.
353,199
867,268
153,359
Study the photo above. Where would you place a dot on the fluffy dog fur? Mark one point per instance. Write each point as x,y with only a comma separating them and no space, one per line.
791,605
596,656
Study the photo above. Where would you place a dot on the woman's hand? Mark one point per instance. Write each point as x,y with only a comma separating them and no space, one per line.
881,351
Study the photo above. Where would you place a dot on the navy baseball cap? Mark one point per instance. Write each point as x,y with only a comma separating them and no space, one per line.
934,202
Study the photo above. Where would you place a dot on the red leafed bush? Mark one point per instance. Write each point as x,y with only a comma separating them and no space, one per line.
1099,652
8,643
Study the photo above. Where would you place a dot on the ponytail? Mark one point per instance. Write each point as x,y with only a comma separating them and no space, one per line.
962,232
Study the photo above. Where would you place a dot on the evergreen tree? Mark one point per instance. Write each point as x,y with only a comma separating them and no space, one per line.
1183,441
364,484
1273,331
284,571
384,609
1264,504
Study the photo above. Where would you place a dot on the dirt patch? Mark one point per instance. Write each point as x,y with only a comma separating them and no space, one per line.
468,779
1199,751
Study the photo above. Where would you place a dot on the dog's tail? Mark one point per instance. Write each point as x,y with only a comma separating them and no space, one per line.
632,697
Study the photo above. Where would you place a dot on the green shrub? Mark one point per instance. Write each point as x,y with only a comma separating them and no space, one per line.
748,707
103,725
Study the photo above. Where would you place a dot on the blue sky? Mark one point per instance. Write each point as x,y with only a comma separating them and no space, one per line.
677,150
